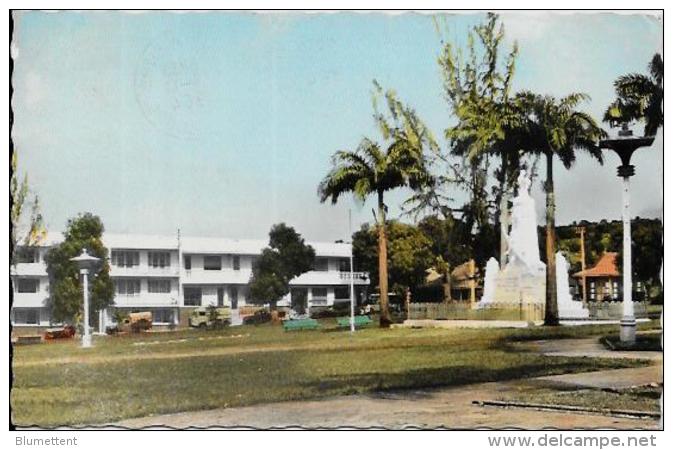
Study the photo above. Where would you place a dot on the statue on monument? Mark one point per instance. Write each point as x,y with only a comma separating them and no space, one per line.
523,244
522,279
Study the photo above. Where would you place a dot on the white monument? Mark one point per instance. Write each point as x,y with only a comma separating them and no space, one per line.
522,280
567,307
490,276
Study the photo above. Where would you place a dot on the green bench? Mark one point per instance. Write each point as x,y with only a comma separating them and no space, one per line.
300,324
360,321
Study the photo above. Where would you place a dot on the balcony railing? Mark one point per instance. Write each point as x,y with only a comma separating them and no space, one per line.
356,276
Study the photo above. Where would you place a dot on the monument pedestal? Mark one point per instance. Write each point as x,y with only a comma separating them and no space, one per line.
516,285
519,288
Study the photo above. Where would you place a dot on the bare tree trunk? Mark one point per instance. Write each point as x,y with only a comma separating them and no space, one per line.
551,305
504,225
447,284
384,319
503,214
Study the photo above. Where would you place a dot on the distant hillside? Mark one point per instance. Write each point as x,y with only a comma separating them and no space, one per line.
605,236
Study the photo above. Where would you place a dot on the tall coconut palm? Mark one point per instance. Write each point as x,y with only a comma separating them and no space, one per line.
640,97
557,129
375,168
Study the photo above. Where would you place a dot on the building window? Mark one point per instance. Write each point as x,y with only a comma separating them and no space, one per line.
188,262
26,316
319,293
159,259
28,285
158,286
320,264
192,296
121,258
162,316
344,265
319,296
592,290
615,290
27,255
212,263
237,262
127,287
342,292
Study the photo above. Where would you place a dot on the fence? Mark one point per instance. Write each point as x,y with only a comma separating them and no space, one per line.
613,310
464,311
523,311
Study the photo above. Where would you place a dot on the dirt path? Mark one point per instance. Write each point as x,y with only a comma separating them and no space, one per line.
436,408
212,351
217,351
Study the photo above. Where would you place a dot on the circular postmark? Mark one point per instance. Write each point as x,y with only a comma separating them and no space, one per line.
170,86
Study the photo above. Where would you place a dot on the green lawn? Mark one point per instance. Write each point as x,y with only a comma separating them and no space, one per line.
62,384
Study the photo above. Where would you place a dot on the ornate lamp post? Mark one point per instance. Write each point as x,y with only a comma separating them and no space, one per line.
624,145
86,262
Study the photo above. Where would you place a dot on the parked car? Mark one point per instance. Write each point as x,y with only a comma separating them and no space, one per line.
133,323
65,332
204,317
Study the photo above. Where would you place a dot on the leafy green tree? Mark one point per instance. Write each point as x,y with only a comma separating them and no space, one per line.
410,254
647,252
604,236
557,129
18,193
478,90
286,257
451,238
375,168
640,97
83,232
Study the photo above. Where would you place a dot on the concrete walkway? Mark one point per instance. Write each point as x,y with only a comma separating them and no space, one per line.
590,347
436,408
615,379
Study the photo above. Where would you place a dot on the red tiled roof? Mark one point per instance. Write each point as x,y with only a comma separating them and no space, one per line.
605,267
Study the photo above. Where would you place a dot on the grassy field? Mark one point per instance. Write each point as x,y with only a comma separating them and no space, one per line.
61,384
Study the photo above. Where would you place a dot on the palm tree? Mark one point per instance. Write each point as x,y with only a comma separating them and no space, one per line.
556,128
640,97
377,168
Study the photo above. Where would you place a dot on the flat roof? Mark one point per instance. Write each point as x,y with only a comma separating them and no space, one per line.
198,245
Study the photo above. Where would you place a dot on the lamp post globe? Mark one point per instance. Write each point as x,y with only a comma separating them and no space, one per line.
625,144
86,264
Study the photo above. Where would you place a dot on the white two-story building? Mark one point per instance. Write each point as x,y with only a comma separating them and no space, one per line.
170,276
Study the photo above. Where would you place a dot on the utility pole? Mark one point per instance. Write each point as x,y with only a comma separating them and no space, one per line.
581,231
350,234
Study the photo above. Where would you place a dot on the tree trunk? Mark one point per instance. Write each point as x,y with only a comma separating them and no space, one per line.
551,305
504,228
447,284
502,216
384,319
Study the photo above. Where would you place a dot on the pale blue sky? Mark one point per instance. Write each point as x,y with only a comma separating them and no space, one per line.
223,123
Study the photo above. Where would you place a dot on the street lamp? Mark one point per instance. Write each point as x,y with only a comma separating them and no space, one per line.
624,145
86,262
